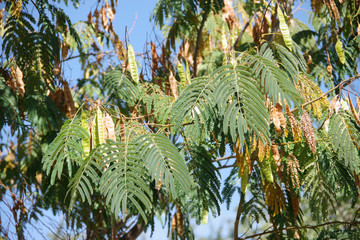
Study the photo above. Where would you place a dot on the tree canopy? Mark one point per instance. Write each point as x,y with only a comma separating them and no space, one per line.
240,85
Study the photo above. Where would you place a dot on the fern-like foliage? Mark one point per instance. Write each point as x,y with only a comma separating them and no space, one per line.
343,141
274,80
206,190
118,84
124,182
161,105
196,103
65,149
240,102
164,162
321,195
8,106
43,113
86,178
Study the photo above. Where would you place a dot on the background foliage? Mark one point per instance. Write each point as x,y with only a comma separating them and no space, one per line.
232,80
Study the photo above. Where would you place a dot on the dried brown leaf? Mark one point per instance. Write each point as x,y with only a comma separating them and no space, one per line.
64,50
110,12
17,80
334,12
104,20
15,9
229,15
177,222
257,29
261,150
155,60
308,129
333,104
276,154
69,102
316,5
295,204
173,85
274,198
109,127
293,169
295,126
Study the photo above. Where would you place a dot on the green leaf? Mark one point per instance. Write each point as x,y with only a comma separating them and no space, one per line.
119,85
133,66
340,51
245,178
85,141
284,29
100,126
266,169
182,75
124,182
165,164
66,147
86,178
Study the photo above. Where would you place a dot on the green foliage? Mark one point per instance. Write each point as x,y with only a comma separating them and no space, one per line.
141,146
8,106
124,181
164,162
119,85
65,149
343,142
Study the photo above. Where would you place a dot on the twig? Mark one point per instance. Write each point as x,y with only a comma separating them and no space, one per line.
197,46
341,84
238,214
226,166
88,54
242,32
223,158
302,227
288,143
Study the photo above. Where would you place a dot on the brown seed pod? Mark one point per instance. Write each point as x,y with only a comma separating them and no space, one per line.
308,129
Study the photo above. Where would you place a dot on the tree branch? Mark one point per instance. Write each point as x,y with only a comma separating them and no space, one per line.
88,54
226,166
242,32
197,47
343,84
302,227
223,158
238,214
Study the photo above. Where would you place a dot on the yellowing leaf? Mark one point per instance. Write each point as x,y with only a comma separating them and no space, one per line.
183,80
266,168
205,217
340,51
100,126
132,62
245,179
85,141
188,76
284,29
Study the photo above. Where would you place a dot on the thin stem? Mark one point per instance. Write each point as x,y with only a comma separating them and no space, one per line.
223,158
242,31
198,40
302,227
341,84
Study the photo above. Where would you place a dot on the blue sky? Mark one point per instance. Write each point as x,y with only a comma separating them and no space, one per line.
135,16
